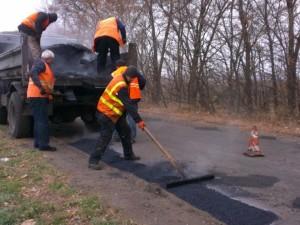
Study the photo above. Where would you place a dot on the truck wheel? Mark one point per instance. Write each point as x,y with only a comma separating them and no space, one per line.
18,125
3,115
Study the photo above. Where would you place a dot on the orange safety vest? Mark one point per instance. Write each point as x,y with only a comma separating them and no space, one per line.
108,27
134,90
119,71
109,104
31,20
134,87
47,80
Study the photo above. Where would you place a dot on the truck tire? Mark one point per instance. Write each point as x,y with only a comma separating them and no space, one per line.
19,126
3,115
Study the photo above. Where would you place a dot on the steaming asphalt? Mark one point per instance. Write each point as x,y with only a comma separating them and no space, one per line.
246,191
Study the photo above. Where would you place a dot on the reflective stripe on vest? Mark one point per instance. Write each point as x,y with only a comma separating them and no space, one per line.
119,71
109,104
31,20
108,27
134,89
47,81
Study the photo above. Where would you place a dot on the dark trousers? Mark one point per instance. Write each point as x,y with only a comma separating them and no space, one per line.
132,125
31,50
102,45
39,108
106,131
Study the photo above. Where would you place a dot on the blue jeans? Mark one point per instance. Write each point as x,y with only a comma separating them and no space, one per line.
39,108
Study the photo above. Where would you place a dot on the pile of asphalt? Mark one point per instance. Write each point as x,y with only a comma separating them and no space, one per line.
227,210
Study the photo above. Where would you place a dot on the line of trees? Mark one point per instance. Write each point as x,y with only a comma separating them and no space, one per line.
235,55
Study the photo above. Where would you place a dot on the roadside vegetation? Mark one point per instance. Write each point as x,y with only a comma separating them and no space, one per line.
265,122
33,192
235,56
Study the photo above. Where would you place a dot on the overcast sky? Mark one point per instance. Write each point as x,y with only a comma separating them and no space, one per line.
12,12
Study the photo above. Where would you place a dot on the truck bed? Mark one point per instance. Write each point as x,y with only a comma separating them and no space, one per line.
72,60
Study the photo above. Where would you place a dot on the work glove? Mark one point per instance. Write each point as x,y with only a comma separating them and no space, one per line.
141,125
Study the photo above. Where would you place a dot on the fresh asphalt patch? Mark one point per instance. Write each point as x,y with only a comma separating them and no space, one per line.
230,211
225,209
256,181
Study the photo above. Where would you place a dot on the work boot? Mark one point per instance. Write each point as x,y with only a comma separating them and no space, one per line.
132,158
96,166
48,148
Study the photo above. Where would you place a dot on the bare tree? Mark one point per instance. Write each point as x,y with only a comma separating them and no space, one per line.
238,55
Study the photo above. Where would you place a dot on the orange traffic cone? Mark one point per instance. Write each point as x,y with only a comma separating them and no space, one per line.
253,144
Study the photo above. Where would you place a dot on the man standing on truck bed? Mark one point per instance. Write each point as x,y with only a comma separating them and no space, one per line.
109,35
40,88
32,27
112,108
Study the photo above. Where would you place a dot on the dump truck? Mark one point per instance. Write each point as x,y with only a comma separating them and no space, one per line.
76,91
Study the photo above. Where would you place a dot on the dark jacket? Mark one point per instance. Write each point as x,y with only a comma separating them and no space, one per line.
129,105
122,29
37,68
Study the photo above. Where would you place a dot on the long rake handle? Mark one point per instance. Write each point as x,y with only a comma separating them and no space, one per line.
165,153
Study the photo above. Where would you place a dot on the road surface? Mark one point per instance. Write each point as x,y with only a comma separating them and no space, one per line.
246,191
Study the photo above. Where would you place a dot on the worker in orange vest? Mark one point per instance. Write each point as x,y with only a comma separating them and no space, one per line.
135,87
112,107
32,28
40,88
109,35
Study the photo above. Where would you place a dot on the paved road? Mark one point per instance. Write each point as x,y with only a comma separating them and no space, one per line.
254,191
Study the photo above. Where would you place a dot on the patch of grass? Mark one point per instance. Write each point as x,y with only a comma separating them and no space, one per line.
10,186
33,209
30,188
9,191
97,221
56,186
7,217
5,197
61,188
59,219
90,206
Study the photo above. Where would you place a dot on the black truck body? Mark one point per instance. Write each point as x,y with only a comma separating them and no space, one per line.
77,87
